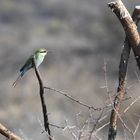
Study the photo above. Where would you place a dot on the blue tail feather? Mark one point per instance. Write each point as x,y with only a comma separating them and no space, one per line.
23,70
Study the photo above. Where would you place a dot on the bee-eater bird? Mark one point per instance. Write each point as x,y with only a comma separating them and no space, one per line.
39,56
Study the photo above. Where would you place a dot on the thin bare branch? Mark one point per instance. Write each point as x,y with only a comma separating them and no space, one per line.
136,129
95,125
119,116
131,104
71,132
75,100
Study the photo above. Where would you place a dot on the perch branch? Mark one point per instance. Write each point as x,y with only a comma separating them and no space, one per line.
44,108
8,134
132,40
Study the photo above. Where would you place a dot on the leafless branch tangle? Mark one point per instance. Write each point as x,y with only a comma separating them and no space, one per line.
83,129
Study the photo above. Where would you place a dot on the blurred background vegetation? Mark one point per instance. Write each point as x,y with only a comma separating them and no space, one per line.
80,35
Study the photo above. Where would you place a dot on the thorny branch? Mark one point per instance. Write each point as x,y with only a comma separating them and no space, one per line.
75,100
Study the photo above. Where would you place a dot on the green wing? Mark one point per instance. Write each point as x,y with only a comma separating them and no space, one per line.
28,65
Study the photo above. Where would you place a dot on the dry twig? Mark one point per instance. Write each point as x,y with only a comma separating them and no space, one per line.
75,100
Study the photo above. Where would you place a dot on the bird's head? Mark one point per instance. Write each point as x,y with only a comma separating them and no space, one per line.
41,52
